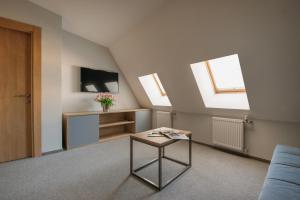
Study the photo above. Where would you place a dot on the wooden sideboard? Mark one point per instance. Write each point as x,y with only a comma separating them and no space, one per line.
82,128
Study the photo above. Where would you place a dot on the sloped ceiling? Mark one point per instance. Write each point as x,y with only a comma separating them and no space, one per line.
166,36
101,21
264,33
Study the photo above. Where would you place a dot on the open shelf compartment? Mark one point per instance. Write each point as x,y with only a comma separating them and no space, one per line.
116,124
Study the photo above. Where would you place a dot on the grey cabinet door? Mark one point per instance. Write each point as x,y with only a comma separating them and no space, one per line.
83,130
143,120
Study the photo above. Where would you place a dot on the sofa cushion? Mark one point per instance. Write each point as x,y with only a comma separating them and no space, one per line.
284,173
286,159
279,190
286,149
283,178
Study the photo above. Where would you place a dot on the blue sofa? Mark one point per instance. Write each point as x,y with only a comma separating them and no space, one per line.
283,178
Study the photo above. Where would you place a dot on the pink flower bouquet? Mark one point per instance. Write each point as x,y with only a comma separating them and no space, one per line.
106,100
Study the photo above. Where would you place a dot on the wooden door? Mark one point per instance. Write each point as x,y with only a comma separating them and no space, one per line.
15,95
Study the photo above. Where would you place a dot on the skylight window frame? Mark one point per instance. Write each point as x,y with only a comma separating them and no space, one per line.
152,88
159,85
214,85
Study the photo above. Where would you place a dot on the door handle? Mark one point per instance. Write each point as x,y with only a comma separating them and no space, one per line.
23,96
26,96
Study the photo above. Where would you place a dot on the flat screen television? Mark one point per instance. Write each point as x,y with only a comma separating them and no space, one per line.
98,81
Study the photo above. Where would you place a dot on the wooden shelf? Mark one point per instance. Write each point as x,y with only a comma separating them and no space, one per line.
103,126
70,114
115,124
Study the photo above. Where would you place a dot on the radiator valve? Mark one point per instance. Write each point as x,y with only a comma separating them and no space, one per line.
247,121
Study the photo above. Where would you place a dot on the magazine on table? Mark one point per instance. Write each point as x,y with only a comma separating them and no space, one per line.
168,132
155,133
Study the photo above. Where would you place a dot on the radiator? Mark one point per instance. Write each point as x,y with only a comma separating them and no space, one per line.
228,133
163,119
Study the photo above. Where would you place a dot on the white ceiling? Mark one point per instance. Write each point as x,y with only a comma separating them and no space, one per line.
101,21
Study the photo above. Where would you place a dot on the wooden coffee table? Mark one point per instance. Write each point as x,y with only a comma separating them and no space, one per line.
160,143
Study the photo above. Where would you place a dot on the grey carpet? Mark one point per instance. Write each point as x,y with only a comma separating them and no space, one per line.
100,172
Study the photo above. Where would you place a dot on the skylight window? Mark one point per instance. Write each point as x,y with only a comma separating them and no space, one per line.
221,83
155,90
225,74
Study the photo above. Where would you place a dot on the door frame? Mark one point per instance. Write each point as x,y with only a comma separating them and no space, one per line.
35,33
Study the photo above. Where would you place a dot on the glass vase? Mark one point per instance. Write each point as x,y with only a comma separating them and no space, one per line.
105,107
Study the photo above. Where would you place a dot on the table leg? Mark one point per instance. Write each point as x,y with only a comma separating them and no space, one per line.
159,168
161,155
131,156
190,150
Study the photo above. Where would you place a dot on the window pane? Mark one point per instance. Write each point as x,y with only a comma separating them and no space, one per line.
153,91
227,75
227,72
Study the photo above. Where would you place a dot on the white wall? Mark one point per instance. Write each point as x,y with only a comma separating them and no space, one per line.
260,138
50,23
265,35
77,52
59,80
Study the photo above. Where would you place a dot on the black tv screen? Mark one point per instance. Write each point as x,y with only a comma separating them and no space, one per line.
99,81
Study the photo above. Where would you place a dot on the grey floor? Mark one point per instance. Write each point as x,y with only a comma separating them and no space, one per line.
100,171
